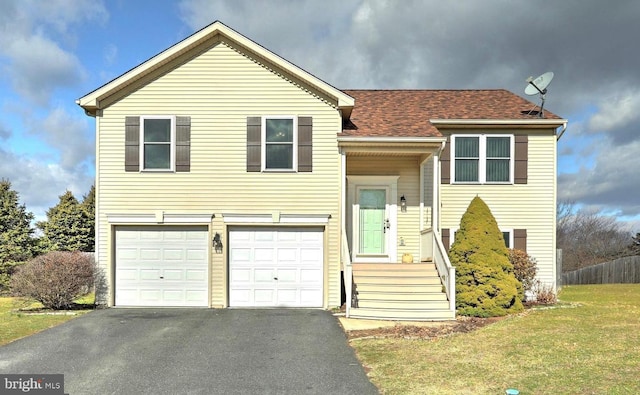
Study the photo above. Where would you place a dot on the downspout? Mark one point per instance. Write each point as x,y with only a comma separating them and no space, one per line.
435,220
564,128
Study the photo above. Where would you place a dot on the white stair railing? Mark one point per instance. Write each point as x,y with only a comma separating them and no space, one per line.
347,272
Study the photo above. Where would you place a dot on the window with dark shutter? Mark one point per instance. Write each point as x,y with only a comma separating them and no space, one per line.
254,144
445,163
520,239
446,240
183,144
305,144
157,143
132,144
521,159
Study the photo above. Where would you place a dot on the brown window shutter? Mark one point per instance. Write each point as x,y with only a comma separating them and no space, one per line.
132,144
183,144
445,239
305,144
520,239
521,159
445,163
254,144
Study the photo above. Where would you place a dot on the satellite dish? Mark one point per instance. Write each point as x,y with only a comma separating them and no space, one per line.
539,86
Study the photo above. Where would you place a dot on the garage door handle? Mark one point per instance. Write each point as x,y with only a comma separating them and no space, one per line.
161,277
275,278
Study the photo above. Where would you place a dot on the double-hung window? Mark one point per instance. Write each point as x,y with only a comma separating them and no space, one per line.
157,148
483,159
280,143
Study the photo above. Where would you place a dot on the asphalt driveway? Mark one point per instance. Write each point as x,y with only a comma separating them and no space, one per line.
194,351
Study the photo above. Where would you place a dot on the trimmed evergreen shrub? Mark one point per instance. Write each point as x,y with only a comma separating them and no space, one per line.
55,279
485,283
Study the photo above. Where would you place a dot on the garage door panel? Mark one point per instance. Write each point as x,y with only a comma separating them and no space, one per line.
196,275
173,254
287,296
287,276
240,275
288,255
162,266
273,267
263,275
310,276
149,274
308,296
196,254
264,297
127,254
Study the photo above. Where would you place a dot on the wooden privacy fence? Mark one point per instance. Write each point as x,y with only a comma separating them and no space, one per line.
622,270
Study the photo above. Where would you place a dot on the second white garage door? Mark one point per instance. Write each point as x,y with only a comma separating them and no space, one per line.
276,267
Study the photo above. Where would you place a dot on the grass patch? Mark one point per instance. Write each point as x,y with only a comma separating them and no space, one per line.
589,344
18,318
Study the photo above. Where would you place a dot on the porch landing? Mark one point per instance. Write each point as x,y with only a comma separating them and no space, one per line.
398,291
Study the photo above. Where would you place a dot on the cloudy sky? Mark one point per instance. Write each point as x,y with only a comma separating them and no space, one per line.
53,52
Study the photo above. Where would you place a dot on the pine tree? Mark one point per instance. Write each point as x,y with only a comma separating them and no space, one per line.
634,247
67,226
16,233
89,207
485,283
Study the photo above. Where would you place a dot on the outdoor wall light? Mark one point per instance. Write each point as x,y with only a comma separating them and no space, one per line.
403,204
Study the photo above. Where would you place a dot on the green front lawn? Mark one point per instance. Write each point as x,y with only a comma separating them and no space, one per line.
15,324
588,344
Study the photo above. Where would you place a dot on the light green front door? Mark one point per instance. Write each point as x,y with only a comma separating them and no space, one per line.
372,203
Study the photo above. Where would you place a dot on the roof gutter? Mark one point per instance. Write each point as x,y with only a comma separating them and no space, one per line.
498,122
352,139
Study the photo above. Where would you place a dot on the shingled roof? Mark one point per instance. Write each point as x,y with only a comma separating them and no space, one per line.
406,113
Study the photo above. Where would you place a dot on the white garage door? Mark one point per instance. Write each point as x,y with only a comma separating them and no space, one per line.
162,266
276,267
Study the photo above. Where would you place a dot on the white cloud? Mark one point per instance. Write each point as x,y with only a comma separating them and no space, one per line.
39,184
611,184
31,36
618,115
39,66
68,135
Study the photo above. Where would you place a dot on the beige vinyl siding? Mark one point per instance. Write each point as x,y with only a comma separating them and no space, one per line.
408,168
528,206
219,89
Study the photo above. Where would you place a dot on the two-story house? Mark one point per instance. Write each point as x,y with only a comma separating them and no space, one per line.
227,176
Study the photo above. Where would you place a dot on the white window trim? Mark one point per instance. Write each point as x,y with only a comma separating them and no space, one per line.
172,150
263,134
482,162
452,236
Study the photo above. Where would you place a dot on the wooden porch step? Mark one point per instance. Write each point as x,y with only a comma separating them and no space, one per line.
404,304
394,266
399,288
401,296
413,280
388,273
403,314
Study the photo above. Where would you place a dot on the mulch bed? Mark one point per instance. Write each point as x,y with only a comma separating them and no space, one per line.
408,331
